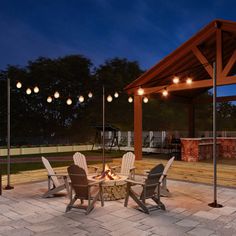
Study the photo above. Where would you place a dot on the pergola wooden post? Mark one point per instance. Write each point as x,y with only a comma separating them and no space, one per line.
138,127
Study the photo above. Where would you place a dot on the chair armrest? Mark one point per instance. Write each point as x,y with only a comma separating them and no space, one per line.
132,168
59,175
134,182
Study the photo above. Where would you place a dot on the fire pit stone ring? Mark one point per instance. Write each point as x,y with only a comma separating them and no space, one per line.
113,189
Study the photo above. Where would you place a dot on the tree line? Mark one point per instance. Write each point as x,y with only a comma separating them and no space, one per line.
34,120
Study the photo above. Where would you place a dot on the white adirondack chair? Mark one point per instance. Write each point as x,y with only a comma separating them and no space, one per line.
56,183
80,160
127,167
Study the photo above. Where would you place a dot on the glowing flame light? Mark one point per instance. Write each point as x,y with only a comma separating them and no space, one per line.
36,89
189,80
109,98
19,85
145,100
176,80
69,101
81,99
165,93
49,99
130,99
56,94
28,91
90,95
140,91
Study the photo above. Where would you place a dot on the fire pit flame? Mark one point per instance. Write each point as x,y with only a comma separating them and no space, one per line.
107,174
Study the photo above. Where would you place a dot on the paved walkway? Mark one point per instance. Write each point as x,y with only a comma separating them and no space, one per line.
24,212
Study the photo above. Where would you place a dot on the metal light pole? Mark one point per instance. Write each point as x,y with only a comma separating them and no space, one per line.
103,128
8,186
214,203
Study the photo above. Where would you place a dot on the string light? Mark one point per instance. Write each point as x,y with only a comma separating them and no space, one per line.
116,95
36,89
90,95
189,80
81,99
56,94
165,92
49,99
28,91
176,80
109,98
145,100
69,101
130,99
19,85
140,91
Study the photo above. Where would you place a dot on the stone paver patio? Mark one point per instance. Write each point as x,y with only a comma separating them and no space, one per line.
24,212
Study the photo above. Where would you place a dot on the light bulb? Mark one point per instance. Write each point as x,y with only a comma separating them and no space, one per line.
81,99
165,93
189,80
176,80
19,85
90,95
130,99
145,100
140,91
36,89
56,94
28,91
109,98
116,95
49,99
69,101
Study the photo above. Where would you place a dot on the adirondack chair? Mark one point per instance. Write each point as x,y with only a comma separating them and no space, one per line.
149,186
80,160
127,166
56,182
83,189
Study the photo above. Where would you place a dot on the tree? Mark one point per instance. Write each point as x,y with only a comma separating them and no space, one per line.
69,75
115,74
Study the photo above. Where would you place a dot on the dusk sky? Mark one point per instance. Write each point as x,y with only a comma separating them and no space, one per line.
142,30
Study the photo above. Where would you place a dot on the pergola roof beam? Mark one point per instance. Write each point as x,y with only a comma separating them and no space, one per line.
203,60
208,83
230,64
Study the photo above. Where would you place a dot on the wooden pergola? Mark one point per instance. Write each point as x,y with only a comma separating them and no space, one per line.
215,43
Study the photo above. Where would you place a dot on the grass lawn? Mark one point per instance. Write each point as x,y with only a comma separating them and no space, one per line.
86,153
18,167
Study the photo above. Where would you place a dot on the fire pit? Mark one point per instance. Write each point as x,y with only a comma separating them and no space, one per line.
114,186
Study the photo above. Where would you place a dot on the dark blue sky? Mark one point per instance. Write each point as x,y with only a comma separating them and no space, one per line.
142,30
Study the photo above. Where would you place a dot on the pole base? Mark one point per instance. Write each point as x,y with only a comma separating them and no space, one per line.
215,205
9,187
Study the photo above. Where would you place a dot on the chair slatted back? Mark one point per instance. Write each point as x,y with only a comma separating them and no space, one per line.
80,160
152,181
127,163
79,181
50,172
168,165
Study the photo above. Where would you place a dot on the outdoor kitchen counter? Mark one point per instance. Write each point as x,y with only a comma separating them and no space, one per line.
195,149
